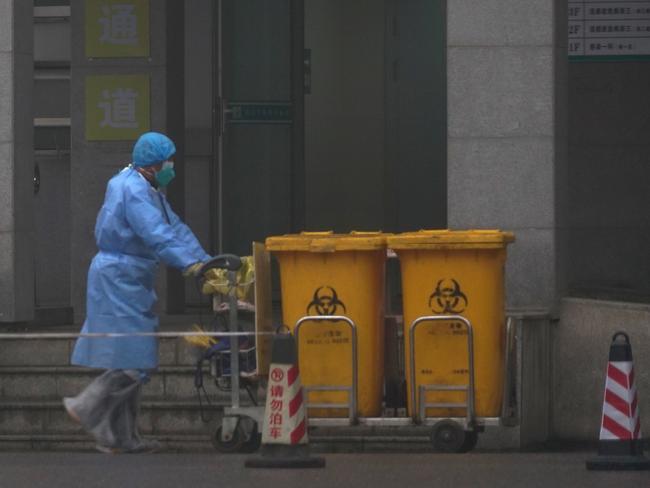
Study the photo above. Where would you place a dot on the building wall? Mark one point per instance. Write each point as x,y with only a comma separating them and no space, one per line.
506,62
580,354
608,232
51,104
506,81
16,162
94,163
508,127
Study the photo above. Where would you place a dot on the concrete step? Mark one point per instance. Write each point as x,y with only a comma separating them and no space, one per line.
36,375
203,443
161,417
41,352
54,382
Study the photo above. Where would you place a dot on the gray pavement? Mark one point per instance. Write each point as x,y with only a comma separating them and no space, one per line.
476,469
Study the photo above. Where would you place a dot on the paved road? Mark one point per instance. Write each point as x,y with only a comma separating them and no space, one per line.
90,470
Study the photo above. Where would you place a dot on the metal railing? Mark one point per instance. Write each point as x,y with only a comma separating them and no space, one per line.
352,389
419,406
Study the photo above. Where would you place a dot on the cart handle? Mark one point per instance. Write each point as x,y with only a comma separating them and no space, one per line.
229,262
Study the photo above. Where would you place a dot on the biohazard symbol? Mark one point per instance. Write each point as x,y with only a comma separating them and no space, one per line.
447,298
325,302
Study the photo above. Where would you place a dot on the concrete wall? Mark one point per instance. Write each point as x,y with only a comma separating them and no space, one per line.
16,162
535,386
528,389
580,353
94,163
506,64
609,177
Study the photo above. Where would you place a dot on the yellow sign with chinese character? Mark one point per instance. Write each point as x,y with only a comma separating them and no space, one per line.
117,28
117,107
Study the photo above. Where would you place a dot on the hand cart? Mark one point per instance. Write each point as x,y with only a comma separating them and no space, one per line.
448,434
233,366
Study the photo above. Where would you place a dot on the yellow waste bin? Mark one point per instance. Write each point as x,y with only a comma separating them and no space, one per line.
448,272
322,273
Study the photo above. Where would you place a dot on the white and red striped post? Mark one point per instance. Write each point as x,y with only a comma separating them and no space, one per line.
285,421
620,443
284,434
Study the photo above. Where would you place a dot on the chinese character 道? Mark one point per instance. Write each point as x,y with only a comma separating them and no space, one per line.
119,108
119,25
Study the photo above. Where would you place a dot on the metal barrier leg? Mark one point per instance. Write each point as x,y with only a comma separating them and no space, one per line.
352,405
418,402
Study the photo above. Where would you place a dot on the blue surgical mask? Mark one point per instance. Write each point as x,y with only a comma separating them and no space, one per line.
166,174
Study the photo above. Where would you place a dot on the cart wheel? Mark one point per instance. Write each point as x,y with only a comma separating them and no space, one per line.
449,436
235,444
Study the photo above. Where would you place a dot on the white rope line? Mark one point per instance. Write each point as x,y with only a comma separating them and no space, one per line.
72,335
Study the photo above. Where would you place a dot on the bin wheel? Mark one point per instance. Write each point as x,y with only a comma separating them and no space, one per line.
449,436
235,444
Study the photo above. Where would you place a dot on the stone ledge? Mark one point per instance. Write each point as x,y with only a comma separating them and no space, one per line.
160,404
28,369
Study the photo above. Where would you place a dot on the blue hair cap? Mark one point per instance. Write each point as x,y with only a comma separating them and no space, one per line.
152,148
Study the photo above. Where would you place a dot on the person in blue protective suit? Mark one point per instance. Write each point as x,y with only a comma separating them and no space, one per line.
135,230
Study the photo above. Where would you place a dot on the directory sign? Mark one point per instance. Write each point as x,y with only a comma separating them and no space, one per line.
609,29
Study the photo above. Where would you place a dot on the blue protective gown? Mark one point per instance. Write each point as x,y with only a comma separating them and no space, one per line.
136,228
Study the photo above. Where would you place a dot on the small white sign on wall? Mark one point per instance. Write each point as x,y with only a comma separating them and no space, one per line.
613,29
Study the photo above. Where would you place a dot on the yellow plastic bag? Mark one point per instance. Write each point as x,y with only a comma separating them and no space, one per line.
200,341
216,280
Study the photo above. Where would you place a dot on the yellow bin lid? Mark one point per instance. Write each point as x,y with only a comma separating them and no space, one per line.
328,242
451,239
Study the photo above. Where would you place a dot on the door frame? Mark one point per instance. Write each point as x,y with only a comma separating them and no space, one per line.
299,73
